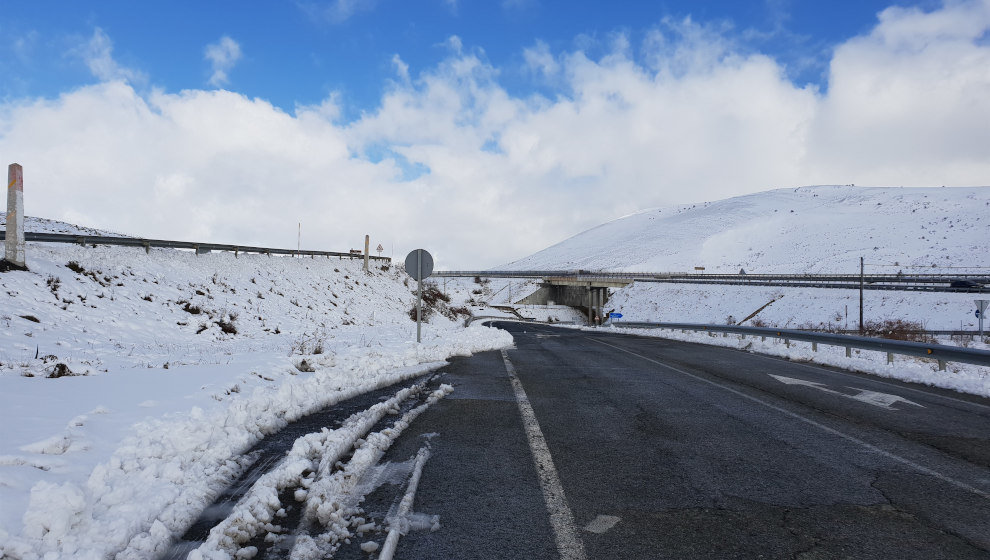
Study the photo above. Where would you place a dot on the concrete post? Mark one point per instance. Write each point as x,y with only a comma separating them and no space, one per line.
15,216
601,306
367,245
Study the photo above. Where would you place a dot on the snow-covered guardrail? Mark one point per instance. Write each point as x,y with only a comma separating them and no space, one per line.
196,246
939,352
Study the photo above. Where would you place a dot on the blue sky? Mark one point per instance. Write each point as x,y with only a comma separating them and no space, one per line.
299,52
485,131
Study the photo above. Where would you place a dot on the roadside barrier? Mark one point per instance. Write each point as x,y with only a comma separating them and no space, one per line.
940,352
200,248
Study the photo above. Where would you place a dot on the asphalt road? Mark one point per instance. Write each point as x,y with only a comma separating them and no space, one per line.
647,448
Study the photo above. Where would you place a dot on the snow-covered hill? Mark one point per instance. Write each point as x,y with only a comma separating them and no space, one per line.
824,229
132,381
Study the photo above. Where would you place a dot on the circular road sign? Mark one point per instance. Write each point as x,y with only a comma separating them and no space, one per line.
419,264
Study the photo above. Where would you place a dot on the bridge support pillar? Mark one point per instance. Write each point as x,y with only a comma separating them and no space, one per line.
591,321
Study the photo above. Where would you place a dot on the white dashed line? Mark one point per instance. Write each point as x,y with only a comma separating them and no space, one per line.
601,524
569,545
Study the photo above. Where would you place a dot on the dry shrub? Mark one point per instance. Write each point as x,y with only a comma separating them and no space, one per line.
896,329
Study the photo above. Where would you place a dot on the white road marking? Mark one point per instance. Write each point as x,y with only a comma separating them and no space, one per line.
882,400
400,524
859,377
601,524
869,446
565,533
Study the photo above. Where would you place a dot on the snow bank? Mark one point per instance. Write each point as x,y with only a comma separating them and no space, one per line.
174,365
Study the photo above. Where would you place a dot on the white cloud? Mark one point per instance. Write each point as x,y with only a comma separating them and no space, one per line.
540,60
453,162
222,55
337,11
97,53
909,102
401,68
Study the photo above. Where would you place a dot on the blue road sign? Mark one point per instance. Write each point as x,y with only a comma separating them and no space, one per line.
615,315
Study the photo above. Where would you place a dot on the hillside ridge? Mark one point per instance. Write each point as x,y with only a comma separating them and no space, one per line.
814,229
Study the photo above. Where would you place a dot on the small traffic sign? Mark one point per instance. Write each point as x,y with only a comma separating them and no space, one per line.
419,264
615,315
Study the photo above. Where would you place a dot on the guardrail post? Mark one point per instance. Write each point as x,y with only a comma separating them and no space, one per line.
941,365
15,217
147,248
890,358
849,352
814,346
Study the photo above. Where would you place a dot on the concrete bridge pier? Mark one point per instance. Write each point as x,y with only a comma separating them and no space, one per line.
589,296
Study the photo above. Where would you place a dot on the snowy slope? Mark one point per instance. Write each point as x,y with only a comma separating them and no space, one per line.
174,364
824,229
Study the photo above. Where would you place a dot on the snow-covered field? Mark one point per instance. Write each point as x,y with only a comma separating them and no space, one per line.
792,307
130,383
823,229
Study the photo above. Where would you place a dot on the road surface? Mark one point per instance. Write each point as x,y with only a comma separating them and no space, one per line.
589,444
665,449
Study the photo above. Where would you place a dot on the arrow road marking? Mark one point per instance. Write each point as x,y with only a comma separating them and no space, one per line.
882,400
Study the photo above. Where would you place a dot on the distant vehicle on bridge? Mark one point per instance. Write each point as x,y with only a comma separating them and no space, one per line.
966,284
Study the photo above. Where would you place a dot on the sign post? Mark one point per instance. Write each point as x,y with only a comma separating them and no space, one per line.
981,310
419,265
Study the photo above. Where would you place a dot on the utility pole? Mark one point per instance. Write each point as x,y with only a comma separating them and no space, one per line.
862,329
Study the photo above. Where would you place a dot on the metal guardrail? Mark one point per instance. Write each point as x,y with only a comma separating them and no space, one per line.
939,352
83,239
899,282
473,318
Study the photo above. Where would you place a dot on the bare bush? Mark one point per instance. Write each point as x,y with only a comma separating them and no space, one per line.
896,329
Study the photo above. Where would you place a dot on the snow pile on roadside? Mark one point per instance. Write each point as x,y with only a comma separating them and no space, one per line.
964,378
130,383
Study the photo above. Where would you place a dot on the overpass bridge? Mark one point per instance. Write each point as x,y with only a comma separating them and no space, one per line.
964,283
